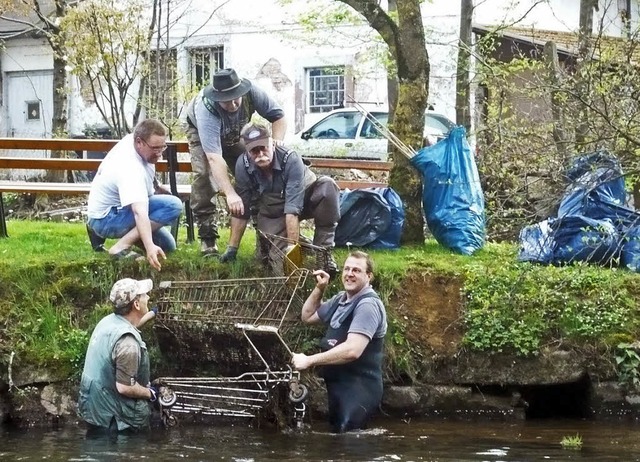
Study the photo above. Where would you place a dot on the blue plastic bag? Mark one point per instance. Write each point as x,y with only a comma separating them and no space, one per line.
452,196
579,238
537,243
630,255
370,217
594,223
596,183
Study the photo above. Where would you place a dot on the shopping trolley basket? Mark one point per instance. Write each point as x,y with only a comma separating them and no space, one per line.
243,329
303,254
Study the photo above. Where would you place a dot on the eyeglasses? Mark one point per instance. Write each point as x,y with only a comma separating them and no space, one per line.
154,148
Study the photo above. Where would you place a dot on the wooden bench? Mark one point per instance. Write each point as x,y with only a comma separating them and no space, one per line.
171,166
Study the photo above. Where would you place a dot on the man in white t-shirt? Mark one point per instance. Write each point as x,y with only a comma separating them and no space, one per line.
126,201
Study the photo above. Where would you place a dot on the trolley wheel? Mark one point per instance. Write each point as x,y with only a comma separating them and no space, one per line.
169,420
167,397
298,392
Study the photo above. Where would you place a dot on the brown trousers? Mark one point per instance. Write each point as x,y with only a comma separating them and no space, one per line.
321,204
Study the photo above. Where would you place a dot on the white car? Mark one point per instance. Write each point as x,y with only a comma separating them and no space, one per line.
347,134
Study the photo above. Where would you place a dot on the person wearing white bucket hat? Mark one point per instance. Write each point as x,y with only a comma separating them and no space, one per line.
214,120
115,389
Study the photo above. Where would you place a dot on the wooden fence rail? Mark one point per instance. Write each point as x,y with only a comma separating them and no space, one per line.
75,159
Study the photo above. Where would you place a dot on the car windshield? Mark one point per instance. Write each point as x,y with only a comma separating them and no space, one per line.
341,125
438,123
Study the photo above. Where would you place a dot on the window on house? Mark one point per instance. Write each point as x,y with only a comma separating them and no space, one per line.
33,110
162,86
204,63
325,88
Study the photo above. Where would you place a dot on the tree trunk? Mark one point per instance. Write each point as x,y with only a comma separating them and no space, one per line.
407,47
60,106
60,90
584,52
413,91
145,76
463,100
553,72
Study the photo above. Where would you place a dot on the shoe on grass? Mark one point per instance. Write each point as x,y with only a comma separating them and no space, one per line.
208,247
126,254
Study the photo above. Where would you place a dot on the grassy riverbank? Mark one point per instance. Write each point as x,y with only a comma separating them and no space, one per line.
54,290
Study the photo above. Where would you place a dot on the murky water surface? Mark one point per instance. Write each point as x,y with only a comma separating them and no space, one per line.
389,441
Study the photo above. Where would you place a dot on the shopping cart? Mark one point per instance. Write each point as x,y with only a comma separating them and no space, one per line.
242,332
282,254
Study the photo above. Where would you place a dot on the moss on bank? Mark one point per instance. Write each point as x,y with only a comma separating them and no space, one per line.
54,290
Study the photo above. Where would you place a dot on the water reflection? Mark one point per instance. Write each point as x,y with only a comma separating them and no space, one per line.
388,441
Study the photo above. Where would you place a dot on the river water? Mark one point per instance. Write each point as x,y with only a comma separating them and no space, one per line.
426,440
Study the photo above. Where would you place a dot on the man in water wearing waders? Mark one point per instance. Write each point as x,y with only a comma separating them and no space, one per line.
115,393
214,120
352,347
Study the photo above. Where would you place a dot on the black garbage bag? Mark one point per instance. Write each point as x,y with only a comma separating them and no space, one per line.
370,217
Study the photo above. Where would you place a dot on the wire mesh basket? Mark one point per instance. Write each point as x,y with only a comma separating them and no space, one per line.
305,255
242,396
242,332
207,322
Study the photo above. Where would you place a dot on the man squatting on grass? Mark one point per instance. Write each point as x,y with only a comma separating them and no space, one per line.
114,390
214,120
352,347
126,201
284,191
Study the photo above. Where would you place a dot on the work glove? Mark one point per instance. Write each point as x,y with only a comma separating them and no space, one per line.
229,255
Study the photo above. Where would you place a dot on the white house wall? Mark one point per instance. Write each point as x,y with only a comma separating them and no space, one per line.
21,55
557,15
255,33
26,55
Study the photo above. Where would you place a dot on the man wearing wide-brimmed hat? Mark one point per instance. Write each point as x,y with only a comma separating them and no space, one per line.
214,120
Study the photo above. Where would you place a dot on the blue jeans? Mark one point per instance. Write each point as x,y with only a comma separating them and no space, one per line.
163,209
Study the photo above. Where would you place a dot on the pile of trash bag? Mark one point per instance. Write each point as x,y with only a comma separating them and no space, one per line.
452,197
594,224
370,218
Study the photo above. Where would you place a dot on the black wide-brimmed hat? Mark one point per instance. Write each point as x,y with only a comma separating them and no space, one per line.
227,86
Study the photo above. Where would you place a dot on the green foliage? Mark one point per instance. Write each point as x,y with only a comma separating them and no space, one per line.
107,44
571,442
10,200
521,307
55,290
628,364
525,148
403,360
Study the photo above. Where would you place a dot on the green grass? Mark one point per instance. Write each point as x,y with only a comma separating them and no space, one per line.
571,442
54,290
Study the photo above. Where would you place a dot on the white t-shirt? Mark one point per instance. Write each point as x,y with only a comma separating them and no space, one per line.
122,179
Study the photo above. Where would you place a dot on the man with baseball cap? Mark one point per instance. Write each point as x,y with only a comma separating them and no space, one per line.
114,390
285,191
214,119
